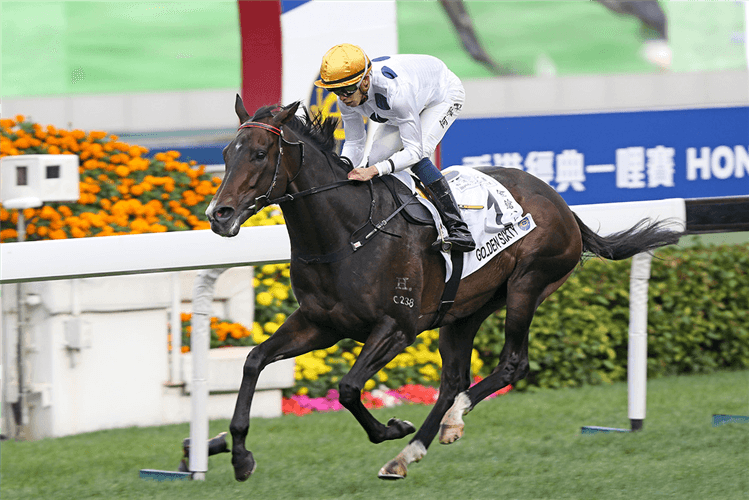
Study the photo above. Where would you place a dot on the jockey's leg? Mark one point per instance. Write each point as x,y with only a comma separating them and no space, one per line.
458,237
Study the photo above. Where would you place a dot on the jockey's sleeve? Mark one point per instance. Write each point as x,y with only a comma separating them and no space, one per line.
356,135
409,127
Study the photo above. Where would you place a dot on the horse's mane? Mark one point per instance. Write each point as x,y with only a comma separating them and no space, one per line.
314,129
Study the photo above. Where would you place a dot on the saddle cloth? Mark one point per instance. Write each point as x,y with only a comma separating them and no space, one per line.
494,218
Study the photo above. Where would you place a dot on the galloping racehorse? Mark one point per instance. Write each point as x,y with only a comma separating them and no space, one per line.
350,257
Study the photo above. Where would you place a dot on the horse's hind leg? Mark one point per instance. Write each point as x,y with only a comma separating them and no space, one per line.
455,345
523,298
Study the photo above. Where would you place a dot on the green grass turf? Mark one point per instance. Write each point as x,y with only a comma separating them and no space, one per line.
522,445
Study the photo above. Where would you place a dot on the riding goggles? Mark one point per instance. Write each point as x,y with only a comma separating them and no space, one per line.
346,91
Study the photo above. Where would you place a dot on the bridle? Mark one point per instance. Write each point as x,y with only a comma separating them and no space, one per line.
274,130
265,199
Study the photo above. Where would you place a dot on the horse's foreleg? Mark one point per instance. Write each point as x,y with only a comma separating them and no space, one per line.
383,344
455,345
295,337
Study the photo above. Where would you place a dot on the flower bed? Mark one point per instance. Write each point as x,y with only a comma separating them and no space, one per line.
379,398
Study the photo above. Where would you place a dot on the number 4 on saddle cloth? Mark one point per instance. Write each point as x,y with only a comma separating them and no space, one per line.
494,218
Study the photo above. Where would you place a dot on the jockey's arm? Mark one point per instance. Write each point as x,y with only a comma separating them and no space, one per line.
356,136
409,127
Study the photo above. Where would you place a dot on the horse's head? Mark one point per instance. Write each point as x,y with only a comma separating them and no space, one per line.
256,168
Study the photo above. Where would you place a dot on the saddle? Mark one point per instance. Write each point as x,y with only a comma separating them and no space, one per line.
414,212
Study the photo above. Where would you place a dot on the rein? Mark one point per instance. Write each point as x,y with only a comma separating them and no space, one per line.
288,197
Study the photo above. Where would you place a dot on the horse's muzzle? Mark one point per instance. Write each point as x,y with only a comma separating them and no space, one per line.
223,221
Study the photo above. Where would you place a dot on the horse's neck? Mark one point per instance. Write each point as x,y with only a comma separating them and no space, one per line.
323,222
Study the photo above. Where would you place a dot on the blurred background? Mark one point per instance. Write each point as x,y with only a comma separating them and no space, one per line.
166,72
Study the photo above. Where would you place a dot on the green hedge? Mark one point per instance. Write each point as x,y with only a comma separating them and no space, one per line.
698,319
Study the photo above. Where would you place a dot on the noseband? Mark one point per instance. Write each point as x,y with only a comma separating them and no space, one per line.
279,133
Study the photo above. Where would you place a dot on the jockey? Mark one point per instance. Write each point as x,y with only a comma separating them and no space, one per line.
416,98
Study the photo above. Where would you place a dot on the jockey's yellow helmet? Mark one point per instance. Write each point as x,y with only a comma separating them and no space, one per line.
343,65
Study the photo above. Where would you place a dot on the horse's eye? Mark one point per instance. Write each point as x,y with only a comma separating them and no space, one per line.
260,155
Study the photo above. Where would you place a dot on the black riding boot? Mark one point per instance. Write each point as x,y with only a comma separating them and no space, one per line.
458,237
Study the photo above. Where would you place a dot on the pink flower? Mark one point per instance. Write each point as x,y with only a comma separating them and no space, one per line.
412,393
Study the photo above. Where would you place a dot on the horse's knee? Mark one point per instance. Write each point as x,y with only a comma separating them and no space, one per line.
348,394
236,429
252,366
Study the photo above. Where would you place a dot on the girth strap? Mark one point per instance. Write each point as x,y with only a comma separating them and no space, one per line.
451,289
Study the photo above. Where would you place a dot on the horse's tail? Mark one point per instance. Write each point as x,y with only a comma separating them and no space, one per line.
643,236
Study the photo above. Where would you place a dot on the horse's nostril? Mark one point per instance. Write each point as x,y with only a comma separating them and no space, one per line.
223,213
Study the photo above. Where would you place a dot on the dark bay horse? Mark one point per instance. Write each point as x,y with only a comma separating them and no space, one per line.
280,158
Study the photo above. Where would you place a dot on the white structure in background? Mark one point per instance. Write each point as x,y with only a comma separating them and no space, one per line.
310,29
610,218
114,370
27,181
96,354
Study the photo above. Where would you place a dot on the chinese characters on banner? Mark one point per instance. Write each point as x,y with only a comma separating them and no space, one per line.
601,158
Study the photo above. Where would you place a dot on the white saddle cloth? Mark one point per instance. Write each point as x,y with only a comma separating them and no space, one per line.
481,200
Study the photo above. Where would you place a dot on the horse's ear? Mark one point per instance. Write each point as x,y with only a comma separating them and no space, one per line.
241,112
286,113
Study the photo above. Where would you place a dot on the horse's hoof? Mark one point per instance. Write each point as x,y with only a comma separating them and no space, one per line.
450,433
394,469
403,427
243,467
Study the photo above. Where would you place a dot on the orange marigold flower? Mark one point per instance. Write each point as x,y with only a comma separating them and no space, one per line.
77,233
65,210
42,231
7,234
122,171
96,134
137,190
53,150
139,225
58,234
48,213
4,215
